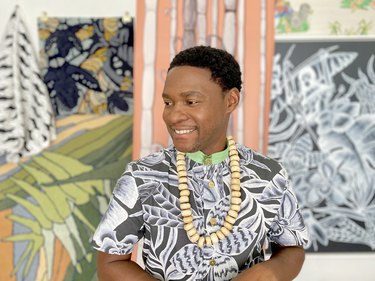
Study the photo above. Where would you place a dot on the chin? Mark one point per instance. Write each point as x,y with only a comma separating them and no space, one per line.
185,148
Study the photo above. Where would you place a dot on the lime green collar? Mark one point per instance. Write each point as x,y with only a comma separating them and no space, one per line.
202,158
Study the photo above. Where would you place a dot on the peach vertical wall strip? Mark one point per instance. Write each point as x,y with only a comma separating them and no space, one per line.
251,74
6,264
138,72
162,60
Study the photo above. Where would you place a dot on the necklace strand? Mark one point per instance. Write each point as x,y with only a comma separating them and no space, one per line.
235,199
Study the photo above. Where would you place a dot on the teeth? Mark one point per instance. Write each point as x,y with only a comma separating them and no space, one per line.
180,132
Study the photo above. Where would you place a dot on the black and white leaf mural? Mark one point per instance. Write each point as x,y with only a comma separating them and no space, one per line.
322,128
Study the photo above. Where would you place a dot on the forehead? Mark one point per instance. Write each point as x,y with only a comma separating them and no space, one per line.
189,74
190,78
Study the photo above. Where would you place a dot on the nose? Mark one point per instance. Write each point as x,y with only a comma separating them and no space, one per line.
174,114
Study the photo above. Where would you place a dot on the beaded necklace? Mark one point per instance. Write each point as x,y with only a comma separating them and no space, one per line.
235,200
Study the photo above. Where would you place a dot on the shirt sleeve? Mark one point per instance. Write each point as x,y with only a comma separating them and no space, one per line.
288,227
122,224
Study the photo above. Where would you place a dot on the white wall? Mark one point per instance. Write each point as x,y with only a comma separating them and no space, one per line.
338,267
318,267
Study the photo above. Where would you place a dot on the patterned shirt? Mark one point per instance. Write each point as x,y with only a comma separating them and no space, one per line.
145,204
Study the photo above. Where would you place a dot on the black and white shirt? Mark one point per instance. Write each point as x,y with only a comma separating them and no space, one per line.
145,203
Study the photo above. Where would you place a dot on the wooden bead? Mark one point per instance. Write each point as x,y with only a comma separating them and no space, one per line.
235,169
220,234
235,200
185,206
181,162
201,242
232,152
187,219
182,180
214,238
186,213
235,193
191,232
231,142
182,173
180,168
230,220
234,158
236,208
228,225
225,231
180,156
235,187
194,238
188,226
184,192
208,241
235,182
182,186
184,199
233,214
234,163
236,175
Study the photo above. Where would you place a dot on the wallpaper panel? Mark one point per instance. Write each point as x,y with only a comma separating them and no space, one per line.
87,64
322,128
51,203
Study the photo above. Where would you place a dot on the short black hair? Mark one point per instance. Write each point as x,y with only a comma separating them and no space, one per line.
225,70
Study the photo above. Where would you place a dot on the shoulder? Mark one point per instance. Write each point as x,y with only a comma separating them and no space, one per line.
262,165
154,160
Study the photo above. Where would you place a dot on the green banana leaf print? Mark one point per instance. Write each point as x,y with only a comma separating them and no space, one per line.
59,196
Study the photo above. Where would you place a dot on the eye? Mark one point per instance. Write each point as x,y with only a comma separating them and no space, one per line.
167,103
192,102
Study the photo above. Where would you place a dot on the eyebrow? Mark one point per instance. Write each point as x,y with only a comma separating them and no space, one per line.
185,94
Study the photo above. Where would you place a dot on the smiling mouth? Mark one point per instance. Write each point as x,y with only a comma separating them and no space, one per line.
182,132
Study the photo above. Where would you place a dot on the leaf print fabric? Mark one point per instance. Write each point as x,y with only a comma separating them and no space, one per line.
322,129
87,64
269,212
27,123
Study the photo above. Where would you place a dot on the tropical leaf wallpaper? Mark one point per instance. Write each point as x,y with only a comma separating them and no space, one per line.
322,128
51,203
87,64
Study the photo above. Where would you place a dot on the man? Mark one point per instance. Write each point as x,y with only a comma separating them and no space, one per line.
206,207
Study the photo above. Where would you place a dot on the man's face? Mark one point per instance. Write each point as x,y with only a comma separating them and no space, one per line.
196,110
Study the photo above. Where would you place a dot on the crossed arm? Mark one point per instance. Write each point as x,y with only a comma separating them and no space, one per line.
284,265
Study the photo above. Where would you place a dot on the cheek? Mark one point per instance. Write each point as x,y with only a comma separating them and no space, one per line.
164,116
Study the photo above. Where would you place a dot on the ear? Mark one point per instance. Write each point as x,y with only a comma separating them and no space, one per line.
233,98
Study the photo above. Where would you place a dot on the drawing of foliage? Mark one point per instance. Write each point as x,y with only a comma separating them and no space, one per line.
362,28
324,134
355,4
64,193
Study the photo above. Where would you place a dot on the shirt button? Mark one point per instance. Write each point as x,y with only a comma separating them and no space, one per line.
211,184
213,221
207,161
212,262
